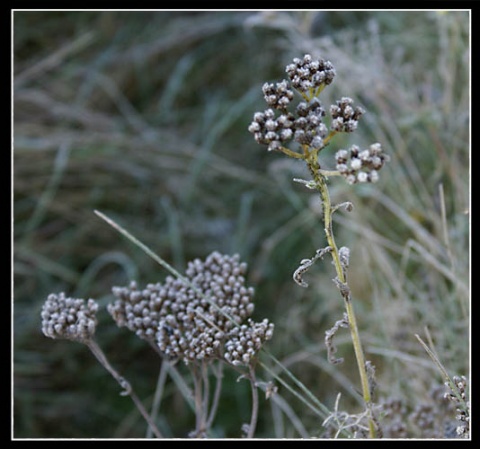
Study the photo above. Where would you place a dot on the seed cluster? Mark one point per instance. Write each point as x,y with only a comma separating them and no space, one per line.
430,418
277,96
358,165
304,125
69,318
306,129
462,413
394,423
344,116
138,309
191,321
306,73
245,341
277,126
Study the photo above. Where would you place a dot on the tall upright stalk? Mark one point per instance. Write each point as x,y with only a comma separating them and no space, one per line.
321,186
278,125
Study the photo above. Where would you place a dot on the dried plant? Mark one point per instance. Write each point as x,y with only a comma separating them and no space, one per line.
202,319
308,133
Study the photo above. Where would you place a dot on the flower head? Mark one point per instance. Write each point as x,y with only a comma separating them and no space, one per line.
69,318
190,320
358,165
345,116
307,73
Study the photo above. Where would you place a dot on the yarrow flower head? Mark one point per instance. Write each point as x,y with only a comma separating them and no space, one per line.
277,96
357,165
69,318
307,73
344,116
245,341
304,125
191,321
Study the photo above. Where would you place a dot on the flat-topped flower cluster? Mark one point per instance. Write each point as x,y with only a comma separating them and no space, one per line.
204,316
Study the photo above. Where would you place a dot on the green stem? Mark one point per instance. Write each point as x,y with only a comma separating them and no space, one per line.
321,184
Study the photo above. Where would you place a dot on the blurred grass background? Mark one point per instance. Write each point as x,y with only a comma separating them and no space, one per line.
144,116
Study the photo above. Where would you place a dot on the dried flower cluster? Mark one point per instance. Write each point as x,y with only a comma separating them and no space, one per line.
307,73
358,165
307,129
434,417
277,96
305,124
245,341
461,403
69,318
198,320
344,116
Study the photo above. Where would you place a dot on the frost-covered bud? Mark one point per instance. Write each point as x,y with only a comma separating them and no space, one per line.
341,156
245,341
356,164
362,176
316,143
373,176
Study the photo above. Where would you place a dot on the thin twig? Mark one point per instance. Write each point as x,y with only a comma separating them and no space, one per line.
157,399
206,393
254,418
128,390
198,397
216,394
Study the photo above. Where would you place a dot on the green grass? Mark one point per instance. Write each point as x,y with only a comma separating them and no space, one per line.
144,116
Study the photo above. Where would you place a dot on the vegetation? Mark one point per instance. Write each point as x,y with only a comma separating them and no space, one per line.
144,116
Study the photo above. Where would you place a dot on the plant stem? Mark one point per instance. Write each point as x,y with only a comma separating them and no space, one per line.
199,403
157,399
321,184
99,354
253,420
216,395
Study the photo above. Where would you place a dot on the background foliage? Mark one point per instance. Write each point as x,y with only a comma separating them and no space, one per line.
144,116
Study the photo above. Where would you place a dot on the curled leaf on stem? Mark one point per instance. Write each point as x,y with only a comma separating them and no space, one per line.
331,348
343,287
305,264
127,388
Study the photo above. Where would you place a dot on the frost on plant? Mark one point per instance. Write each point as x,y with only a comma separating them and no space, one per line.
202,318
69,318
302,132
207,318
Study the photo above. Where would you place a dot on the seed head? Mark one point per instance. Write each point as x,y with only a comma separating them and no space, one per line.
308,74
358,165
344,116
69,318
190,320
